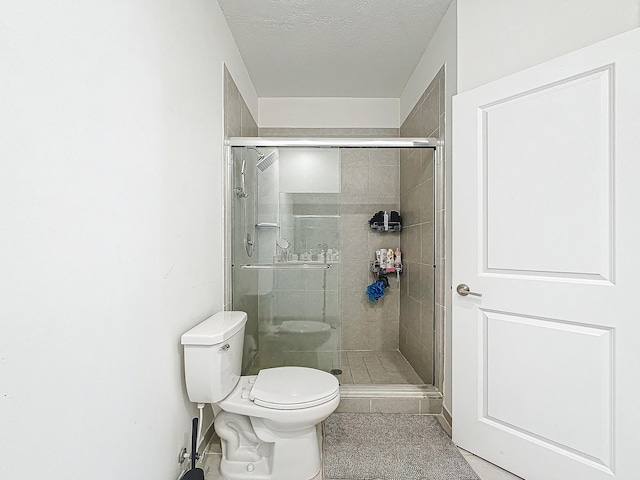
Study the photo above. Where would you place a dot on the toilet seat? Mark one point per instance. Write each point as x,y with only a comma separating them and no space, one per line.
291,388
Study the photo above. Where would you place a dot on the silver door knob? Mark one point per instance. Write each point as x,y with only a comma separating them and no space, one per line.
463,291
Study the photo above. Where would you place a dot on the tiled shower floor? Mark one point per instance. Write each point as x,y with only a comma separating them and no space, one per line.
358,367
389,367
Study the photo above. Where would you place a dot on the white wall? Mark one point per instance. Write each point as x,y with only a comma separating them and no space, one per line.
111,216
499,37
302,112
442,50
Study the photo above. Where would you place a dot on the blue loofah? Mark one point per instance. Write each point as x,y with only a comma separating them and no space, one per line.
375,290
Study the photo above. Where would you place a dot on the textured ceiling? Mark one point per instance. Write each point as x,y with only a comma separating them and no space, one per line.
332,48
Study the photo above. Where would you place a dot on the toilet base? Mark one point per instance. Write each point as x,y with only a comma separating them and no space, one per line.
251,451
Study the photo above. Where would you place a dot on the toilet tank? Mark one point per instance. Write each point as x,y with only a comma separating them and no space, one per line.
213,356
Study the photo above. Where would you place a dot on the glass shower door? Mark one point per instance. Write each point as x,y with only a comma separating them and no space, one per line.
289,283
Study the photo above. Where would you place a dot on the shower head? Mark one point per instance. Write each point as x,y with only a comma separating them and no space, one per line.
266,162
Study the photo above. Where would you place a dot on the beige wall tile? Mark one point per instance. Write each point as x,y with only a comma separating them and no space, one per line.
411,244
384,334
383,181
410,168
423,367
428,322
374,132
411,315
355,275
357,217
428,278
354,181
248,126
355,334
384,156
417,204
232,107
427,243
354,405
431,113
395,405
377,240
416,283
354,157
403,336
354,244
431,405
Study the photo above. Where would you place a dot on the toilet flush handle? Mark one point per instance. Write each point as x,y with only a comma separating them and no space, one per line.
225,347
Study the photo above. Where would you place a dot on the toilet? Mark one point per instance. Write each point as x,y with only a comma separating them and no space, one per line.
267,423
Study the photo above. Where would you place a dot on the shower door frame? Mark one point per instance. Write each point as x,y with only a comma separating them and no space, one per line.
337,142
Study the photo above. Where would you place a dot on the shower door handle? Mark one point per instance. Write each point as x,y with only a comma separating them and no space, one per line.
463,290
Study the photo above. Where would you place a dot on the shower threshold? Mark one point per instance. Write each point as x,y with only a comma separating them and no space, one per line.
425,399
392,391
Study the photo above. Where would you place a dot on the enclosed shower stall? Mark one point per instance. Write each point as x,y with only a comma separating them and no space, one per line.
303,251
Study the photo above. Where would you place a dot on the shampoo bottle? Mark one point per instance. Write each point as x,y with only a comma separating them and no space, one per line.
390,266
398,262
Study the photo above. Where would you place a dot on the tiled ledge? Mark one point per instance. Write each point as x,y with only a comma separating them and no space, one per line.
390,399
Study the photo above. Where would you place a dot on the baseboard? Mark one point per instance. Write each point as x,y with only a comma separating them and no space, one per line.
447,416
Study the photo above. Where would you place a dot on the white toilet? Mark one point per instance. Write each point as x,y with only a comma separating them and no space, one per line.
268,421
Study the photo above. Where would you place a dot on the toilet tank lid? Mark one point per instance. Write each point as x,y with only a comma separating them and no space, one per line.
215,329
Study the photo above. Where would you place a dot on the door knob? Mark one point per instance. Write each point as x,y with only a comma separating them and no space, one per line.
463,291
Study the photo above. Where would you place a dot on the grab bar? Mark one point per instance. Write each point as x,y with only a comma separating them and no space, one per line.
286,266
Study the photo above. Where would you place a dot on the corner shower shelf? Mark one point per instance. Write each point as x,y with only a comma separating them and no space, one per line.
381,222
374,267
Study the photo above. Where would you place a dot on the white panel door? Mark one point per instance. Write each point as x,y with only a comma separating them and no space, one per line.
546,226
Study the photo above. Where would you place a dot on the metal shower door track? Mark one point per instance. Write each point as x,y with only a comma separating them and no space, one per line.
393,142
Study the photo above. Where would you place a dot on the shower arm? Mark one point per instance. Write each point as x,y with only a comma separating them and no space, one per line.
260,154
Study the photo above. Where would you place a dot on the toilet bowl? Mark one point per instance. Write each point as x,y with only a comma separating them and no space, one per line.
268,421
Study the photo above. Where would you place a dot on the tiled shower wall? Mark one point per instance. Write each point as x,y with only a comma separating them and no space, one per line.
369,183
422,294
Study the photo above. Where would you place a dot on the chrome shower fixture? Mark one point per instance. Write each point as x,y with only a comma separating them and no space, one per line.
240,191
265,162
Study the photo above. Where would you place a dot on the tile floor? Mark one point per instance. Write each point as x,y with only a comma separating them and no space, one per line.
389,367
